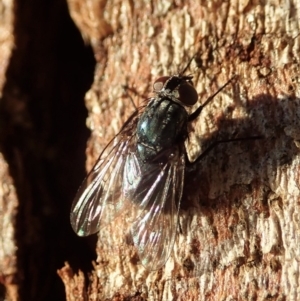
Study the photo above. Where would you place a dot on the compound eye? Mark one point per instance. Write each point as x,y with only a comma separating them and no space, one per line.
160,83
187,94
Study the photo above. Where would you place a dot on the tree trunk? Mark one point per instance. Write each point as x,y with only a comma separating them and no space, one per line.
239,221
238,236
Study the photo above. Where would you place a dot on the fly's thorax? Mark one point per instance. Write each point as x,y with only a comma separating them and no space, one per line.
162,126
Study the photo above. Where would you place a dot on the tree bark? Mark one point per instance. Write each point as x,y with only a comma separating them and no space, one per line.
239,221
238,237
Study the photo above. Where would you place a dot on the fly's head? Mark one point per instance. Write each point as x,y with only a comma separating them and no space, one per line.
178,88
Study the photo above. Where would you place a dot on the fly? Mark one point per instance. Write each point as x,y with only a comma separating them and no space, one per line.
144,165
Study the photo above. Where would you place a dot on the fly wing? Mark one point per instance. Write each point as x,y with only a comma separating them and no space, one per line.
158,197
115,173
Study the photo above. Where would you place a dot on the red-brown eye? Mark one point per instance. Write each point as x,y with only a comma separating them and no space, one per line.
159,83
187,94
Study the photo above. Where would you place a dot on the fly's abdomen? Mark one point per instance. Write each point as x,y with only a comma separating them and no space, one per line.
162,126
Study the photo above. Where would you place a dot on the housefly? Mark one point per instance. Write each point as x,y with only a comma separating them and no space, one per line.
143,167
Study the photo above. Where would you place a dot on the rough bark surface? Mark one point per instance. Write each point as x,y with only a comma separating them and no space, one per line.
239,237
240,216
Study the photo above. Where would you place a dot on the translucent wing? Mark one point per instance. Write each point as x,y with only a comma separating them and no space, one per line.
148,193
107,185
158,197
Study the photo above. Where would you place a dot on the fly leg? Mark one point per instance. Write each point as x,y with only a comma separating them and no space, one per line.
126,89
195,114
216,143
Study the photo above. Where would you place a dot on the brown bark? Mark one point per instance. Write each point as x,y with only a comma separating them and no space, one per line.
239,221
